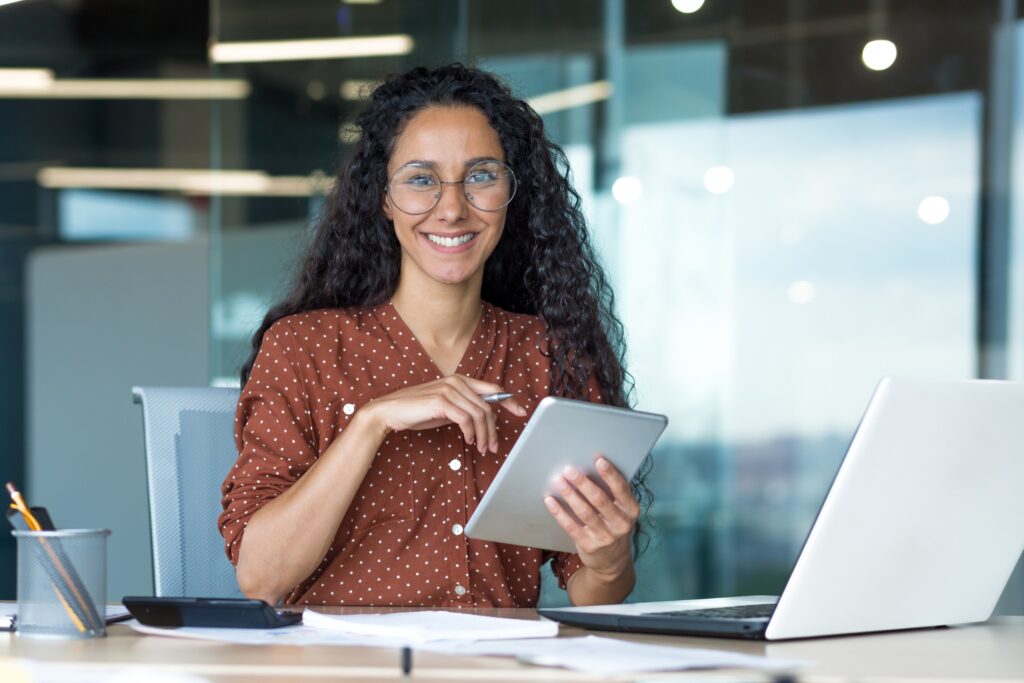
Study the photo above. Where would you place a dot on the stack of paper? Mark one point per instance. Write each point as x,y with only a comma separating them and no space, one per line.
428,626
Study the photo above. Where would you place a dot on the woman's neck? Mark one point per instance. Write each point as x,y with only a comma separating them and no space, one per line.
441,316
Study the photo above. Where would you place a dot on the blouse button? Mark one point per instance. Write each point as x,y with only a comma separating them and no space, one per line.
457,529
455,464
349,408
460,589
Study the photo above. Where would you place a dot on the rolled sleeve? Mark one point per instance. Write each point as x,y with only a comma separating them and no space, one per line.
563,565
274,435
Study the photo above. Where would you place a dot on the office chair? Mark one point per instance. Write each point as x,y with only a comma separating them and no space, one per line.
190,447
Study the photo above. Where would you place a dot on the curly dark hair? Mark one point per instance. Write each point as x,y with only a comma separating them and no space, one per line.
544,263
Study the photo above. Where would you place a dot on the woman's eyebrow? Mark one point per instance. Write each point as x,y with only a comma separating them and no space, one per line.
476,160
433,164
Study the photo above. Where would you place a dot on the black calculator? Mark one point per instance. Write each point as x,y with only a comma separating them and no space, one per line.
208,612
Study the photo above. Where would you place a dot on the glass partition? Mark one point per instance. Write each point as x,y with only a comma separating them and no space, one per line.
786,219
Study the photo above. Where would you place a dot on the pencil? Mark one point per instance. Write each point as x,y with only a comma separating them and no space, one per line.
62,582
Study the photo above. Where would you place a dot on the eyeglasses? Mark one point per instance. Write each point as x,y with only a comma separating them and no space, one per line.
415,188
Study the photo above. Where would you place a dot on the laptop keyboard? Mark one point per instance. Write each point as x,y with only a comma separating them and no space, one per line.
762,611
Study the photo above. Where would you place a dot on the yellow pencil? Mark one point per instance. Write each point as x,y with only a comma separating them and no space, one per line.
34,525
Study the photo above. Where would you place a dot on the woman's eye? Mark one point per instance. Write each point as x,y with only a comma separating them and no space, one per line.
421,181
481,178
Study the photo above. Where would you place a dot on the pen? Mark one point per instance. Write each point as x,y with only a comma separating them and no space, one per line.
495,398
406,660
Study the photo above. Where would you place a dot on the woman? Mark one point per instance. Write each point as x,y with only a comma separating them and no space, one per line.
452,262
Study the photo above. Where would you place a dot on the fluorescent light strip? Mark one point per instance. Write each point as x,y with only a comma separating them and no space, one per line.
8,2
117,89
362,2
571,97
25,79
188,181
319,48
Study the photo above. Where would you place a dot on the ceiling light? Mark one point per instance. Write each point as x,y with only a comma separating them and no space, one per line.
318,48
117,89
568,98
933,210
801,292
187,181
719,179
8,2
627,189
687,6
878,55
25,79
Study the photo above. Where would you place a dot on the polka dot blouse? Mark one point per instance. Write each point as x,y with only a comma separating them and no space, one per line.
401,541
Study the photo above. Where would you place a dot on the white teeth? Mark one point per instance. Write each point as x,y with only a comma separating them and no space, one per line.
451,241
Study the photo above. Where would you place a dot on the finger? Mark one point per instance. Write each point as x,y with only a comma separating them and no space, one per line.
476,413
583,510
513,406
481,387
448,410
565,520
615,519
458,383
619,486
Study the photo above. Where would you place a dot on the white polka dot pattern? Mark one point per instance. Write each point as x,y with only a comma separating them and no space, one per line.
396,544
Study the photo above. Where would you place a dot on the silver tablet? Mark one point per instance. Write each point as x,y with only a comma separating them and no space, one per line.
561,432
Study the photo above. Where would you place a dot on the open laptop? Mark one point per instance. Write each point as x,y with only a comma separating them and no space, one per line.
921,527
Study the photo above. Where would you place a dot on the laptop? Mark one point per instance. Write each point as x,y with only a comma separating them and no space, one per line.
922,527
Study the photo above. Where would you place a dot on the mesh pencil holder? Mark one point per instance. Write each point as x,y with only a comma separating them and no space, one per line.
62,583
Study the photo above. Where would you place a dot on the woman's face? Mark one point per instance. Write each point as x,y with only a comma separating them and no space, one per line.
446,141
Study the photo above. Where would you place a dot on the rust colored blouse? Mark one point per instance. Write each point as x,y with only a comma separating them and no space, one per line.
401,541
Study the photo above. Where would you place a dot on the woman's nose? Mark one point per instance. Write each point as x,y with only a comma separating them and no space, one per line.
452,205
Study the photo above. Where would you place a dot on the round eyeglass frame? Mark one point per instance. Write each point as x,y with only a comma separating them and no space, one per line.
437,195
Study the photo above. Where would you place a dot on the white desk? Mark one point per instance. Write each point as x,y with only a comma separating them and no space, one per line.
991,652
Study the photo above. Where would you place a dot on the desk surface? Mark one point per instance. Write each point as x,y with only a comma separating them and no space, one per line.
991,651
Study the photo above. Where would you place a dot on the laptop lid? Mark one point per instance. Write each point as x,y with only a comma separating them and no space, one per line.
922,524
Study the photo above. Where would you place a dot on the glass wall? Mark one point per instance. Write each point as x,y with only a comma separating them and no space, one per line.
787,215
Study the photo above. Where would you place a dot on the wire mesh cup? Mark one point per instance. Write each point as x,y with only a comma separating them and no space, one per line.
62,583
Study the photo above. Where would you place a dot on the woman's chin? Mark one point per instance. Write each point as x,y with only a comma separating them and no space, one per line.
452,275
453,279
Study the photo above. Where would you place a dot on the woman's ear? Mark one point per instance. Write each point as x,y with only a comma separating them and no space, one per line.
386,207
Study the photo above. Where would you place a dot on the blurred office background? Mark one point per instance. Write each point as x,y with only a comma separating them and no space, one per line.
794,198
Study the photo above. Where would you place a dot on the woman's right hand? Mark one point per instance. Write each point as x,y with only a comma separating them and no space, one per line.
453,399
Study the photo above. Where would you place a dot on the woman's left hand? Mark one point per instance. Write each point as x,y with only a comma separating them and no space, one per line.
603,538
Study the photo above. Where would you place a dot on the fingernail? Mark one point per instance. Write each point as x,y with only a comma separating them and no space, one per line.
551,503
571,473
603,464
563,484
494,446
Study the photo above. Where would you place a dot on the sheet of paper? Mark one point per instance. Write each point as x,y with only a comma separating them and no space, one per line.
589,654
596,655
299,634
432,625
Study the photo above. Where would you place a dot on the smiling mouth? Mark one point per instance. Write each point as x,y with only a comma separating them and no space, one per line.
458,241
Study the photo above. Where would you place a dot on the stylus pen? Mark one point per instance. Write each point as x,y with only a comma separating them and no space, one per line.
495,398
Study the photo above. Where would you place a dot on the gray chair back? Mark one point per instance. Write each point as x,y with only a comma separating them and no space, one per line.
190,448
